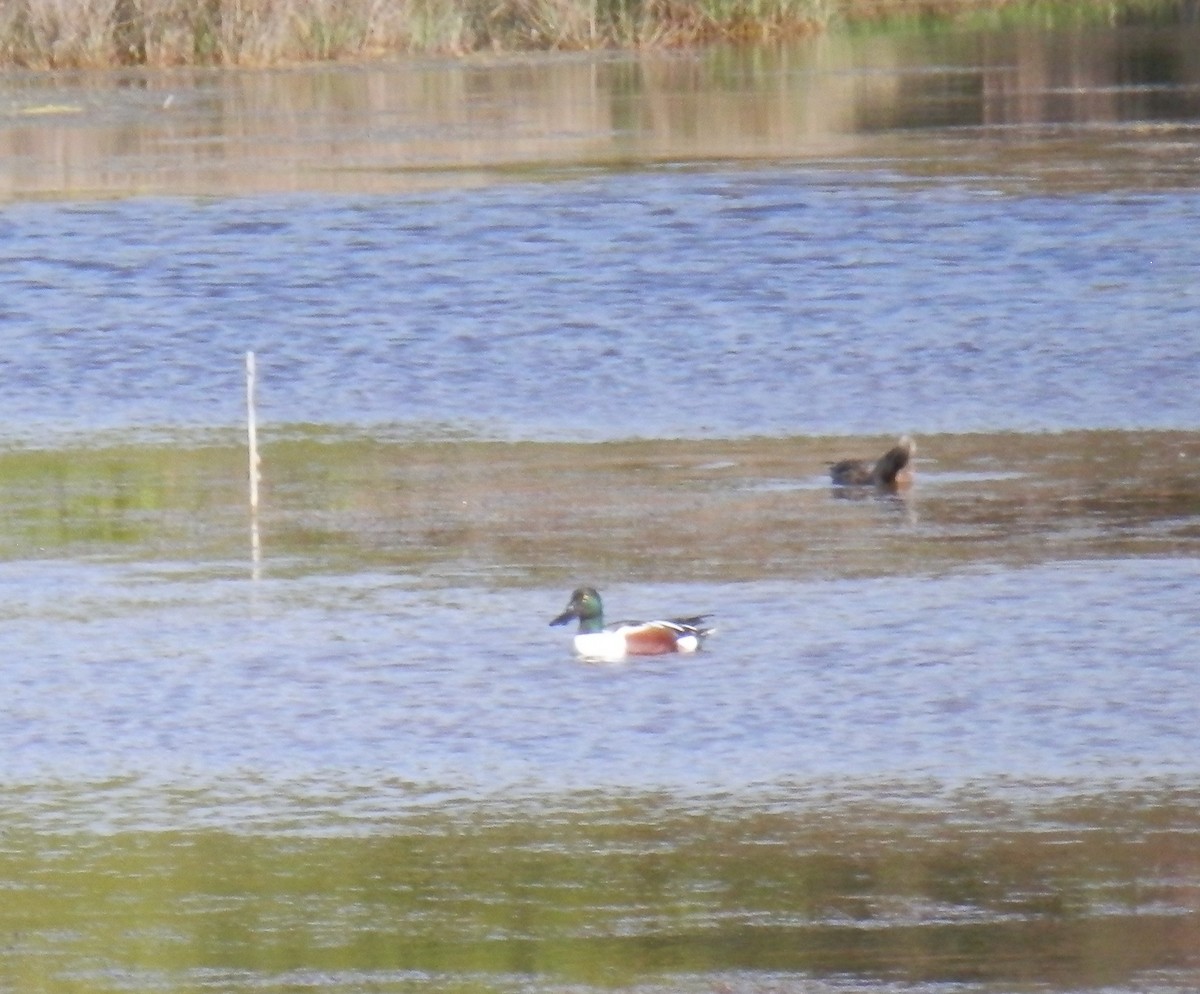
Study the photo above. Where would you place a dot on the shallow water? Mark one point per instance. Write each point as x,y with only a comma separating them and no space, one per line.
944,739
1014,673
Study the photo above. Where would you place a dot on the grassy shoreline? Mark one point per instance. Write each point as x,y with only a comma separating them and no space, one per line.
56,34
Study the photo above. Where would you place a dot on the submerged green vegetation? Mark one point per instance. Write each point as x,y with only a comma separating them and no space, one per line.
52,34
449,509
600,892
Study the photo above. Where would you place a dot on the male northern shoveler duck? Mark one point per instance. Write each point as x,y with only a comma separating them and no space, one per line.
614,642
891,469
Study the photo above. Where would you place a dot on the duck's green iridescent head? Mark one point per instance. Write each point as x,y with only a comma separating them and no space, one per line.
584,605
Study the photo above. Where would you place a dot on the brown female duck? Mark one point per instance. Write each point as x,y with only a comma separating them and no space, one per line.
892,469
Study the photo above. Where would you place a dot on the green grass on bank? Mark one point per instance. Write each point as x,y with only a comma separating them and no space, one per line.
101,33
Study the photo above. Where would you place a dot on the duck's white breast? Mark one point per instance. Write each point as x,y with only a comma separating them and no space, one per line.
608,647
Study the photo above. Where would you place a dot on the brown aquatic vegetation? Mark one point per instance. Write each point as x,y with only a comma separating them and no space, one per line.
95,33
719,510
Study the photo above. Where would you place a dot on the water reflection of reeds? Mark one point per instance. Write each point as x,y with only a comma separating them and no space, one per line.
419,124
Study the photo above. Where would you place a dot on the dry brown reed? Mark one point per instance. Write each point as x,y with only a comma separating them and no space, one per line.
62,33
98,33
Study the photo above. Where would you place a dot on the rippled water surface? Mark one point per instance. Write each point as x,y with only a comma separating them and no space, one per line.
526,325
689,304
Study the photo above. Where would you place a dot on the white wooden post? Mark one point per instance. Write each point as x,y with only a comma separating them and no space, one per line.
252,440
